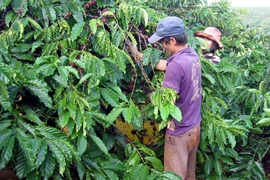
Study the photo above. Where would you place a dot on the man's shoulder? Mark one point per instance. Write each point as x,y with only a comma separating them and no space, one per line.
188,52
187,57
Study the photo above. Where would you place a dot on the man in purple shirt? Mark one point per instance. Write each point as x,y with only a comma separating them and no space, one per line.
183,74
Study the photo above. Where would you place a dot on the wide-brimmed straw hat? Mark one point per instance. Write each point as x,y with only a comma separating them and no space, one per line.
211,33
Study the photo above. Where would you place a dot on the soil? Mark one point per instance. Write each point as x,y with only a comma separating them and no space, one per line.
7,174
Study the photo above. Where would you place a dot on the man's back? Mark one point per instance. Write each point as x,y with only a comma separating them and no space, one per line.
183,74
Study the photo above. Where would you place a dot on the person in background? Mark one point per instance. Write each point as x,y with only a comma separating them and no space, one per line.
182,74
211,36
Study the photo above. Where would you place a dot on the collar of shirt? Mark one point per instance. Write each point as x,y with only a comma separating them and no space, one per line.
177,54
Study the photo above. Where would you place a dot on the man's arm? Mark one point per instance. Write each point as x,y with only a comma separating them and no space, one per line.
161,65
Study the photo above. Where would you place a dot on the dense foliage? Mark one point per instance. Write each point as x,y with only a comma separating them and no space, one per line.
257,17
66,76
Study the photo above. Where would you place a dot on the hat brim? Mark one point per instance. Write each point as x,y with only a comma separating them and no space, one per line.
154,38
202,34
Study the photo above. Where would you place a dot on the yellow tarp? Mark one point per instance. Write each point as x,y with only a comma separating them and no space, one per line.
148,135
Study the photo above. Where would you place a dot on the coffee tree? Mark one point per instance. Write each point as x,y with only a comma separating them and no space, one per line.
66,75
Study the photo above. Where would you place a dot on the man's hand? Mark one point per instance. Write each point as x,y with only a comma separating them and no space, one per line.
171,125
132,49
137,56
